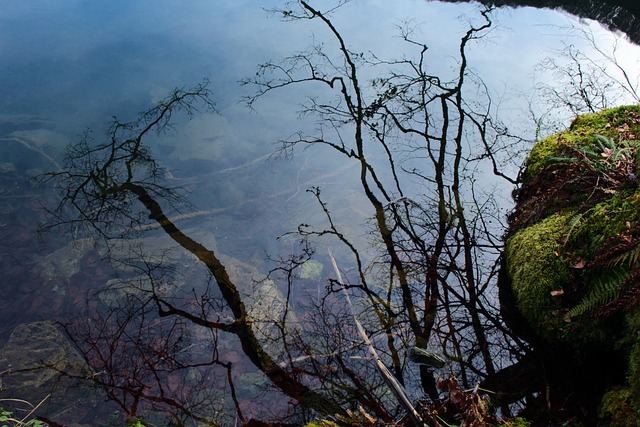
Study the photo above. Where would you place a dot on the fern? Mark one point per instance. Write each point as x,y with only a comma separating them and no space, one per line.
629,297
604,142
574,222
602,156
560,160
629,257
602,292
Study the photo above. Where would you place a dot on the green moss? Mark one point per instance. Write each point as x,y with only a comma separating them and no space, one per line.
607,123
575,224
135,422
620,407
614,117
536,269
322,423
576,230
517,422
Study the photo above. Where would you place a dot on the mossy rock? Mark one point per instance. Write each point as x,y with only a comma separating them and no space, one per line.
574,242
572,253
534,282
621,122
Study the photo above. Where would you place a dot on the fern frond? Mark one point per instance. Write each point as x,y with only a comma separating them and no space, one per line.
629,296
602,292
622,249
629,257
574,222
604,142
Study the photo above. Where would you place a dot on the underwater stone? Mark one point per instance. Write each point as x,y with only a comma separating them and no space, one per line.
65,262
311,269
31,347
7,168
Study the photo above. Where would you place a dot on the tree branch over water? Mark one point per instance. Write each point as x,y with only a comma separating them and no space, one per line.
420,143
100,187
423,147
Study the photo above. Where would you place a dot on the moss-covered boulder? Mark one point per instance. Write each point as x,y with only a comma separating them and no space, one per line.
571,276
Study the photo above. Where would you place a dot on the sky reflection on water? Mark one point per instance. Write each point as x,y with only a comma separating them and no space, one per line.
80,62
75,64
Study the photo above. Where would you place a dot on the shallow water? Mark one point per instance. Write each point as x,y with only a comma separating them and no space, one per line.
71,66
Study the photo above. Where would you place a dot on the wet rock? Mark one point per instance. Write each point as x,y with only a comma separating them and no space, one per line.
117,290
125,254
32,361
311,269
7,168
266,304
65,262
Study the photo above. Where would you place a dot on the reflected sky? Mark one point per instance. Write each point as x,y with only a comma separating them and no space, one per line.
80,62
76,63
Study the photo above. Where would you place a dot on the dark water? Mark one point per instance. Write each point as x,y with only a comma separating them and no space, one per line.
617,15
69,66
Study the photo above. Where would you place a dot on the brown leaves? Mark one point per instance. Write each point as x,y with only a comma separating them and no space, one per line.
624,130
579,263
466,408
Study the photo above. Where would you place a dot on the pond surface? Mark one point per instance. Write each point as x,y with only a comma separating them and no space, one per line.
70,66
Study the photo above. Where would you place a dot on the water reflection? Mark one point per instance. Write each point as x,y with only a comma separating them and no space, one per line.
65,75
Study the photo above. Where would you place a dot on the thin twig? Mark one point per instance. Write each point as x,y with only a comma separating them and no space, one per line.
391,381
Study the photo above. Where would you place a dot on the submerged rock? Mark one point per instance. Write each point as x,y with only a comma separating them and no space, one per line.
267,306
7,168
158,249
38,360
311,269
65,262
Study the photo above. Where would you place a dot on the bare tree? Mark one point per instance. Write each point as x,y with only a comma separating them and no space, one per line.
423,285
586,79
117,185
421,144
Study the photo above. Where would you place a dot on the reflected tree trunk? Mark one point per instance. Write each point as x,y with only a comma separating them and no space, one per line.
441,252
99,187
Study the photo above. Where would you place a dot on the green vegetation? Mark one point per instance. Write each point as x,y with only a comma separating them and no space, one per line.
533,282
574,245
135,422
615,123
573,250
322,423
620,408
8,419
518,422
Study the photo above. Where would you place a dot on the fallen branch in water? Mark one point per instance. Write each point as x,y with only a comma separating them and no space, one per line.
391,381
32,148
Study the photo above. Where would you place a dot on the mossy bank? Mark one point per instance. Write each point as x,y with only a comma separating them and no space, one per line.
571,272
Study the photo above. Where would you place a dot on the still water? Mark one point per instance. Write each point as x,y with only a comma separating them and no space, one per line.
68,67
